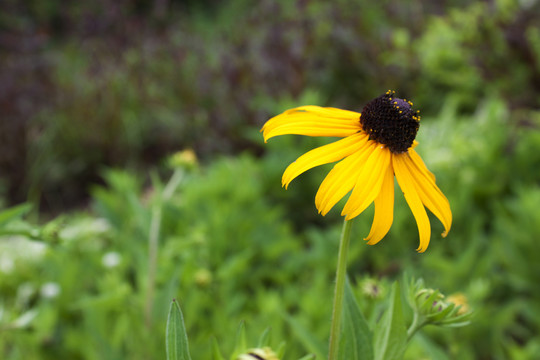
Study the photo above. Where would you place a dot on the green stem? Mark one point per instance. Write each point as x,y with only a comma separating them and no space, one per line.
153,240
341,274
416,325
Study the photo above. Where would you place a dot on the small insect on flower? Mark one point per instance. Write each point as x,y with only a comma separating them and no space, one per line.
377,145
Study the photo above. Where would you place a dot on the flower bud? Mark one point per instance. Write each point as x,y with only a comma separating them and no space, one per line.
264,353
203,277
183,159
434,308
371,288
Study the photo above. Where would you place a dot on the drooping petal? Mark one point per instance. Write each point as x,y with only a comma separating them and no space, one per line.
323,155
313,121
369,182
420,163
384,209
429,193
407,185
341,179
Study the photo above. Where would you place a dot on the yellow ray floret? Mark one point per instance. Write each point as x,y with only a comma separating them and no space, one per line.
322,155
313,121
369,182
384,209
406,183
342,178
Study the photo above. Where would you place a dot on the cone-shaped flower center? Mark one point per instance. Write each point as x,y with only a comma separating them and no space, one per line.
390,121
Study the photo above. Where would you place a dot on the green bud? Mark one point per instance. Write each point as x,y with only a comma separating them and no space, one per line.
432,307
203,277
372,288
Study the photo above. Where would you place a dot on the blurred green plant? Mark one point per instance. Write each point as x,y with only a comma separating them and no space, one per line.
387,341
105,88
76,286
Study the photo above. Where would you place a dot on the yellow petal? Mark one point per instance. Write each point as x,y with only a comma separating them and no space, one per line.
384,209
420,163
369,182
327,111
406,182
313,121
322,155
341,179
429,193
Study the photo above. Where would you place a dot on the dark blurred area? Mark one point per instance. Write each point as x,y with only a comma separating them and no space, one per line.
88,85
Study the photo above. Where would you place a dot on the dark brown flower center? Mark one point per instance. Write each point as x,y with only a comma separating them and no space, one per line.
390,121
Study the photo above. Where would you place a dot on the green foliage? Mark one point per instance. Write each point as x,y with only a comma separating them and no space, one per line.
356,335
226,238
177,340
390,336
229,235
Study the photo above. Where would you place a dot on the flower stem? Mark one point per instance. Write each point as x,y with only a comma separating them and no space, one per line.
341,274
153,241
415,326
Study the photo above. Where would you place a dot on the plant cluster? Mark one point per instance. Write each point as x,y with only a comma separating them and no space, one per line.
232,247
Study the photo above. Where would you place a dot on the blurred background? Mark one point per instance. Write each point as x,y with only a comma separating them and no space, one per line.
101,227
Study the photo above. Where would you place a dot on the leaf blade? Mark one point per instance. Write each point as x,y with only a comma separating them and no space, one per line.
14,212
176,337
390,336
356,335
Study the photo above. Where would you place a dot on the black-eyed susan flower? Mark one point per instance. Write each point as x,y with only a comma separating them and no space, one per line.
377,145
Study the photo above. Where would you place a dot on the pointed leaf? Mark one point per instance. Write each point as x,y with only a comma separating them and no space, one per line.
310,341
241,343
264,340
356,338
390,333
280,350
176,341
433,351
216,353
14,212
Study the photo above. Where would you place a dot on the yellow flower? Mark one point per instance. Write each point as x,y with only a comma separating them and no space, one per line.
376,145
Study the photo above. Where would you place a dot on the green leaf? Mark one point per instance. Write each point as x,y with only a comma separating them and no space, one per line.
356,338
176,341
280,350
307,338
216,353
241,343
264,340
433,351
308,357
390,336
14,212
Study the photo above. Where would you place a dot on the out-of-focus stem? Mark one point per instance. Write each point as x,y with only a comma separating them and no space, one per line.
341,274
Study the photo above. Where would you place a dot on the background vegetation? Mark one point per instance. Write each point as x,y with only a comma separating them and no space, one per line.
96,96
